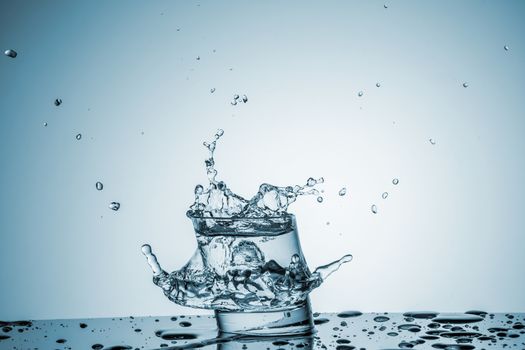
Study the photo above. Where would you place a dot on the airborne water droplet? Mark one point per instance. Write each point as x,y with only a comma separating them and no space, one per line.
378,84
360,93
45,123
10,53
506,47
233,102
58,102
114,206
374,208
384,195
78,137
395,181
320,199
244,98
311,182
465,85
385,6
198,58
342,191
212,90
99,186
432,141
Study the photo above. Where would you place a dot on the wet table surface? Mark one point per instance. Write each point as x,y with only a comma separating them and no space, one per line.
343,331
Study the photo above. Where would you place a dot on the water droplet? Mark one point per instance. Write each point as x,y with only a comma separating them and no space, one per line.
385,6
10,53
219,133
58,102
506,47
421,314
395,181
384,195
378,84
432,141
236,97
465,85
342,191
311,182
198,58
244,98
360,93
381,318
212,90
457,318
373,208
233,102
347,314
114,206
78,137
99,186
320,199
45,123
198,189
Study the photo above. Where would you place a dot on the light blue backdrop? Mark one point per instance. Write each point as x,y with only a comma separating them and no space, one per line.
449,237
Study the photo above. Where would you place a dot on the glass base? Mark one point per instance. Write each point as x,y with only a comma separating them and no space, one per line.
293,321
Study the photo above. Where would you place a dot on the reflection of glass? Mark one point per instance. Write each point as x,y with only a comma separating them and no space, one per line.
251,271
264,343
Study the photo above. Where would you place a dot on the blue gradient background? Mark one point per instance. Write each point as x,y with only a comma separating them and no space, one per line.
449,237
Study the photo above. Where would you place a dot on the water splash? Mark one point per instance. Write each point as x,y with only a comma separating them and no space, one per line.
217,200
248,256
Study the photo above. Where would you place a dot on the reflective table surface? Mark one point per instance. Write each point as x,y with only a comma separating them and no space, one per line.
340,331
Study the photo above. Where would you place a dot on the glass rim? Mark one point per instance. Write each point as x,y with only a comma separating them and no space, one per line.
285,216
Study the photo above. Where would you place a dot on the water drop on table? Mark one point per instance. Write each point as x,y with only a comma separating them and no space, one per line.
342,191
114,206
395,181
373,208
99,186
10,53
381,318
384,195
